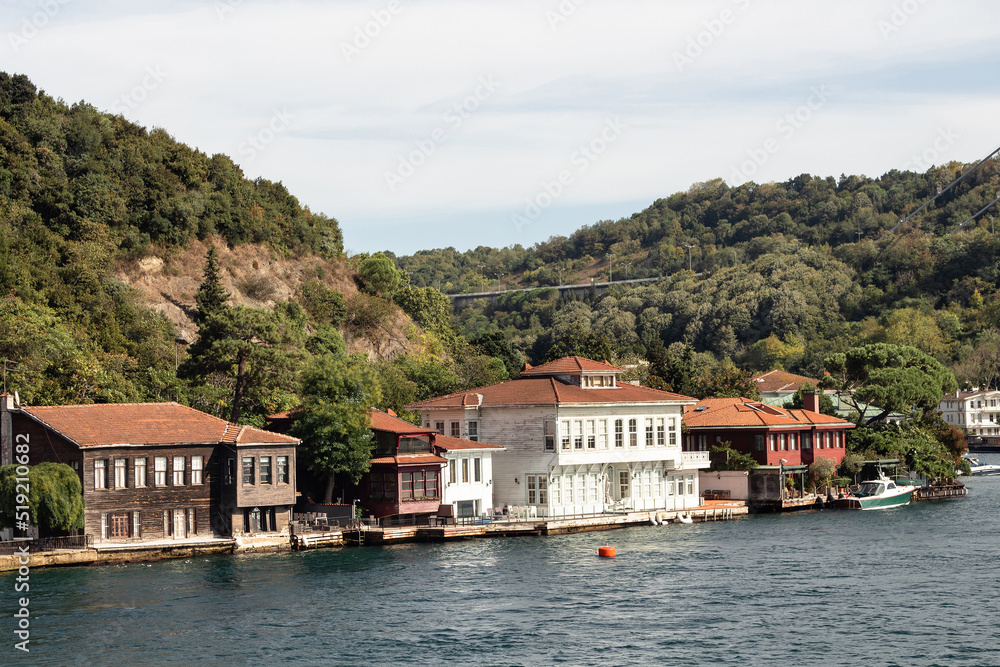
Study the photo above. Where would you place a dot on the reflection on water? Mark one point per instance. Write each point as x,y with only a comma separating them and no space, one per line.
832,588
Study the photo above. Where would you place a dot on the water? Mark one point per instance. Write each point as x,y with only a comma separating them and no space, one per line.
910,586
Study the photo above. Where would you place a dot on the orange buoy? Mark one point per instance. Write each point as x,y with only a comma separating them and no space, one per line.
606,552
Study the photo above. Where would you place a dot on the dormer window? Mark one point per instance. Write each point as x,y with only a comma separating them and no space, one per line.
598,381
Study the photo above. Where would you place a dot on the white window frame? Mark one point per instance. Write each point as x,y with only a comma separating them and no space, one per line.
100,474
140,472
179,473
160,471
197,466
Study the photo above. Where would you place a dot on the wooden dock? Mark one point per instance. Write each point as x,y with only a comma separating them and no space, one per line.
368,536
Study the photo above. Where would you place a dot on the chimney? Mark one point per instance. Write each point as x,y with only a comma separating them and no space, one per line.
810,401
6,430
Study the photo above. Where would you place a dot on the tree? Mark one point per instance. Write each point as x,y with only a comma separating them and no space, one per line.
256,350
895,378
724,457
55,498
673,369
727,381
380,276
576,343
822,471
211,296
333,420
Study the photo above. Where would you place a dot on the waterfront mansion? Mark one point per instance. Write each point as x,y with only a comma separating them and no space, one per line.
578,441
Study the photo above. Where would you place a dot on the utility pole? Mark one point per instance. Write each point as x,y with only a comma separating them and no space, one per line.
689,256
611,263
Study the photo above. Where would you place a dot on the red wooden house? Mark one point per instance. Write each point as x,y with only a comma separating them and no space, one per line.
770,434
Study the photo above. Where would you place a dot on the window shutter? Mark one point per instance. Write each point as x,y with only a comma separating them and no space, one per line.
136,525
104,526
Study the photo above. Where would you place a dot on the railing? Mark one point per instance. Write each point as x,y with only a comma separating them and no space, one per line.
45,544
695,457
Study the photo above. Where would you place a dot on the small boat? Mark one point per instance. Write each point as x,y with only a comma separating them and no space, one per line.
878,494
981,469
685,518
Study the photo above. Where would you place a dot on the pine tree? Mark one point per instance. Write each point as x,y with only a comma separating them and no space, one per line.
211,296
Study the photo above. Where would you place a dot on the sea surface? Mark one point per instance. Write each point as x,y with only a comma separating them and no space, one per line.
918,585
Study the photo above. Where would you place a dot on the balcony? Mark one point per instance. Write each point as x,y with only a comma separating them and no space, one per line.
695,459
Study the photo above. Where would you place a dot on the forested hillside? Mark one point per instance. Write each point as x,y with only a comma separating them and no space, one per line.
135,268
788,273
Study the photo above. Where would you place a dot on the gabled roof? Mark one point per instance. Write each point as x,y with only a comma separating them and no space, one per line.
550,391
382,421
569,366
448,443
737,412
412,459
146,424
781,381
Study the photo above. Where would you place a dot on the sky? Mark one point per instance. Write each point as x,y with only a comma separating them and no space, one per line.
423,124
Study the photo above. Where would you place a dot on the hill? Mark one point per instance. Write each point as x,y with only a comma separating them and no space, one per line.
788,273
104,231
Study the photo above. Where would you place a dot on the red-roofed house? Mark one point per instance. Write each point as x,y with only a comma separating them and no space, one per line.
414,470
770,434
781,384
577,440
152,471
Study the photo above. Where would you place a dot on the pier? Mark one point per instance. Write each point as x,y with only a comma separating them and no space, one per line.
513,527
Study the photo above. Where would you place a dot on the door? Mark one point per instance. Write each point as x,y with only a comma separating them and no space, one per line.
180,524
119,525
624,487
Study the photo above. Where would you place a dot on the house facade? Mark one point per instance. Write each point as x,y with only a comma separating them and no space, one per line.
468,475
415,470
975,412
577,440
154,471
772,435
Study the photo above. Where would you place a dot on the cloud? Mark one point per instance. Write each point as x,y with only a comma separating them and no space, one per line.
365,84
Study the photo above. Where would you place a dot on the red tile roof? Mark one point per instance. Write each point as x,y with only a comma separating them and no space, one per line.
734,412
777,380
549,391
568,366
410,460
448,443
146,424
381,421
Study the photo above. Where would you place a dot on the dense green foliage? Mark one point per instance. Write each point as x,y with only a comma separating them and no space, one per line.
55,498
896,378
82,190
333,418
724,457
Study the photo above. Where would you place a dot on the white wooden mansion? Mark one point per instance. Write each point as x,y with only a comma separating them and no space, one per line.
975,412
577,441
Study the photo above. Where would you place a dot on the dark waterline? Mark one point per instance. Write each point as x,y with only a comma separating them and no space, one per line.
911,586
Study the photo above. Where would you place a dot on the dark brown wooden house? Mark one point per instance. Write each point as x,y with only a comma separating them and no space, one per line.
405,477
153,471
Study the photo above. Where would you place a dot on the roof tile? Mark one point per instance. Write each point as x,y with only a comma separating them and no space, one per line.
146,424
